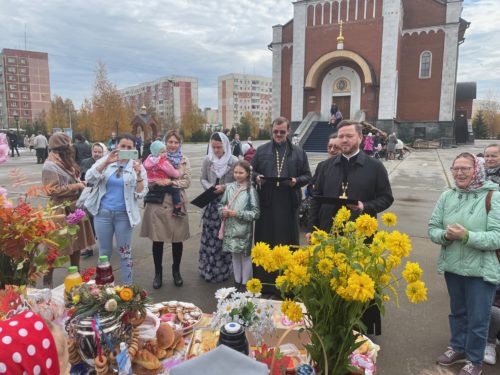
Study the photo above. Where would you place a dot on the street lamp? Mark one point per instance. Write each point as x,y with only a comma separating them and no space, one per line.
16,118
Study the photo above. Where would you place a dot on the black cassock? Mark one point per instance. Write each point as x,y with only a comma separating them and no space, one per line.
279,221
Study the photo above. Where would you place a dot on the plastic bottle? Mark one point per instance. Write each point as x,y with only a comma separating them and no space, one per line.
73,278
104,272
123,361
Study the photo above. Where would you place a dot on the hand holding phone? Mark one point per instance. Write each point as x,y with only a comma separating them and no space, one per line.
128,154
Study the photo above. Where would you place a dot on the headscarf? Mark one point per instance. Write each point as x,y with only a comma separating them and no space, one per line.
175,157
27,346
59,140
479,176
220,164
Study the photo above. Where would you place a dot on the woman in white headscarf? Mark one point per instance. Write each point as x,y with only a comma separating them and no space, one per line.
217,170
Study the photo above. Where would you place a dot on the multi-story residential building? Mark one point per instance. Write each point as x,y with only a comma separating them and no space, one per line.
241,93
26,85
212,116
3,96
170,96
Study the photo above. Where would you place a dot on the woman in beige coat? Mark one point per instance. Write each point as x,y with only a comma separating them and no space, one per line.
158,224
61,180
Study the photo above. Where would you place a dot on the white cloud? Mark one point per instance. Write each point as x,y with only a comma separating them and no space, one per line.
480,53
140,41
144,40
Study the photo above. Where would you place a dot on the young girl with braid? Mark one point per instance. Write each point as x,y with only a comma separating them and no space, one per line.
239,207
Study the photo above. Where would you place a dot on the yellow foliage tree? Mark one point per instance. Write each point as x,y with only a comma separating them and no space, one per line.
106,112
192,122
59,113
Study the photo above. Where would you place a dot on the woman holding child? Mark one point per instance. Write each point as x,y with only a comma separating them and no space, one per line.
163,222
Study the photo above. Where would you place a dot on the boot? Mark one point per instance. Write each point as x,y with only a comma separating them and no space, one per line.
177,276
158,278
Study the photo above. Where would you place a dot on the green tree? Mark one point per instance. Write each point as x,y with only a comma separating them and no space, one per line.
244,128
192,122
264,134
479,126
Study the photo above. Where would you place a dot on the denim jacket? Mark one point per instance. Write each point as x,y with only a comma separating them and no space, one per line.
99,180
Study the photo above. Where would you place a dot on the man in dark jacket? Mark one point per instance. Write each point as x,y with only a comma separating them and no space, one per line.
359,177
13,142
362,178
83,150
279,201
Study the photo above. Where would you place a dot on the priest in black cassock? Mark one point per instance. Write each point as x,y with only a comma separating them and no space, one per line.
279,201
356,176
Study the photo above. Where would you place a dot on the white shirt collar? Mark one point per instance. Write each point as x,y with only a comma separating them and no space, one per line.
348,157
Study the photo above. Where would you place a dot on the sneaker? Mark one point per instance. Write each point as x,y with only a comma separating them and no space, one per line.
178,212
450,357
490,355
87,253
471,369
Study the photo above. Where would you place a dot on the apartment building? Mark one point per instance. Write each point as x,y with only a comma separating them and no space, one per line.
241,93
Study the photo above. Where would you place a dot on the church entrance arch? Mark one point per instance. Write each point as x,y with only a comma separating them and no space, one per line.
342,86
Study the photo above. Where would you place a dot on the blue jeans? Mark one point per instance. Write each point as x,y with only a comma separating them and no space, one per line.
108,223
470,304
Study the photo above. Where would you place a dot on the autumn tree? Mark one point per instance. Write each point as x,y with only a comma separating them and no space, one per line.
192,122
58,113
253,125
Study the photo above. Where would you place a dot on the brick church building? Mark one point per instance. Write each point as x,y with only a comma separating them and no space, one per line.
392,63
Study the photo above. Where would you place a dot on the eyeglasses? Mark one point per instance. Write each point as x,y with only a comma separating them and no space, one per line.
460,169
119,172
279,132
335,147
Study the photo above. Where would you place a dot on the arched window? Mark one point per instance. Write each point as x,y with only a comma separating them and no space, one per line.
425,65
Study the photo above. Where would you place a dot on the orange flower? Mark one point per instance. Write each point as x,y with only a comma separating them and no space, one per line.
126,294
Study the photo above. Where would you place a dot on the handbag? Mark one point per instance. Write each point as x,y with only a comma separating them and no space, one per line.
84,195
487,203
155,195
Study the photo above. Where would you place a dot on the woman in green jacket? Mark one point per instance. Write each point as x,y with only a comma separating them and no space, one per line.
468,236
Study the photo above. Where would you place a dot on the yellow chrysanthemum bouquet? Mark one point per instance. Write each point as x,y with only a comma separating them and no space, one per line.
338,277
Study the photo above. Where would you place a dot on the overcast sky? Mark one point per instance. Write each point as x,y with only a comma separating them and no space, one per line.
143,40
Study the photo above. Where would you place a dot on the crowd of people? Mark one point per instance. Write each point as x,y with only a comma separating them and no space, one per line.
257,196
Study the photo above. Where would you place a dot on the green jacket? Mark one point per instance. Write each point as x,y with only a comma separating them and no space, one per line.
238,231
475,257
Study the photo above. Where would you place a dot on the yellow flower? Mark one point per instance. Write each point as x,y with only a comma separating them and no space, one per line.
389,219
280,280
325,266
326,252
385,297
393,261
360,287
301,257
260,253
376,247
349,227
339,259
416,292
412,272
297,275
281,256
334,284
384,280
317,236
254,286
342,292
76,299
399,244
294,313
366,225
380,236
343,214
